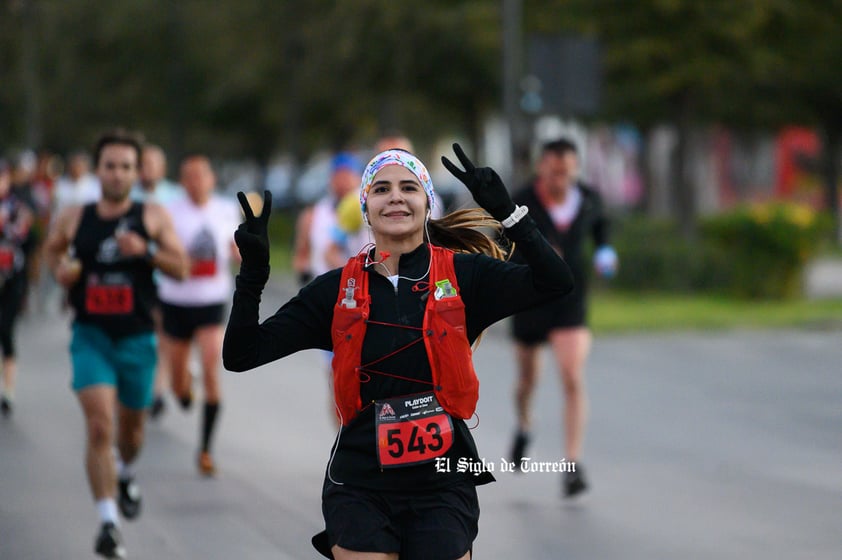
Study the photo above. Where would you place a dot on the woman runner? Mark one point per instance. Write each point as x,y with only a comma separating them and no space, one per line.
400,318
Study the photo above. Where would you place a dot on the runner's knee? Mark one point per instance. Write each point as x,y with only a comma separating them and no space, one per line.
100,432
572,382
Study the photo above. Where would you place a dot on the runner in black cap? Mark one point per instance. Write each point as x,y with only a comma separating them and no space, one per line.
567,213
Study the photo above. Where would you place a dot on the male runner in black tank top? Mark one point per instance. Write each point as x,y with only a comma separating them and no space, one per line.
104,254
567,213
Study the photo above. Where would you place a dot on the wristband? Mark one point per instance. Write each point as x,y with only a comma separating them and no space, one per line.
151,251
515,217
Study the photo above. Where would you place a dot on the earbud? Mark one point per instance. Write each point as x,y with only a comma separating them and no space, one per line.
429,213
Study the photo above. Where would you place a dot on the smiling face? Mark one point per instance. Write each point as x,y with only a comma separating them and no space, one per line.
397,204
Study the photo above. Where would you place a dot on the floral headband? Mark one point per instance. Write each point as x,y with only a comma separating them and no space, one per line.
395,157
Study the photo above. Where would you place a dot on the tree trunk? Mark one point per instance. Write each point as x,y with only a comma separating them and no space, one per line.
30,69
512,14
684,193
645,203
176,85
832,144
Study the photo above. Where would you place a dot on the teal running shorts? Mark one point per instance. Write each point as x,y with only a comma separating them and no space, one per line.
126,363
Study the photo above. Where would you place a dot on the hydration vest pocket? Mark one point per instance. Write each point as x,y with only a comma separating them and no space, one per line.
451,340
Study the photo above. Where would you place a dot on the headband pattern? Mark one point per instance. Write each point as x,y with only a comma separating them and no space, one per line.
396,157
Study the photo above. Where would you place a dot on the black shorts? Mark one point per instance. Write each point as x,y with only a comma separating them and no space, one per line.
181,322
533,326
439,524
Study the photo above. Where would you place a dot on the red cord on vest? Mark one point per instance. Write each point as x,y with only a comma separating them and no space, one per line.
421,286
390,354
383,323
383,256
401,377
363,376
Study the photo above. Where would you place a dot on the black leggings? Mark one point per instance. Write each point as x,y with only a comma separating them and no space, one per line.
11,299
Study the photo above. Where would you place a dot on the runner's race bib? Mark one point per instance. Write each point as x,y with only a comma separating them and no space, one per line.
7,259
110,295
203,268
7,262
411,430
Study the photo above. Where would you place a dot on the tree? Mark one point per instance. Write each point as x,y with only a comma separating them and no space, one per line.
808,39
249,76
679,61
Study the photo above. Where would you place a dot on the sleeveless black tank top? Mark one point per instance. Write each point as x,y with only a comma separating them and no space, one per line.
114,292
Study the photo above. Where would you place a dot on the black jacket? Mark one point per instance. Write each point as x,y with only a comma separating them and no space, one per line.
590,223
491,290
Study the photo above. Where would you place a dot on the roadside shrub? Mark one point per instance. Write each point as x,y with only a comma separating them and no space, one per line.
767,246
654,256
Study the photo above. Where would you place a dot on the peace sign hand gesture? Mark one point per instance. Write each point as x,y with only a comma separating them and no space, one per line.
252,237
485,185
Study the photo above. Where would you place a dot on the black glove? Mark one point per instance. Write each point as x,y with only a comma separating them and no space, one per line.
252,237
485,185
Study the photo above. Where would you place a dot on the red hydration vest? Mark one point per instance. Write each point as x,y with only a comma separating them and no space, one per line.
445,337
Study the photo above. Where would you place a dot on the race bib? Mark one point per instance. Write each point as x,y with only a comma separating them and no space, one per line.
411,430
114,297
7,259
203,269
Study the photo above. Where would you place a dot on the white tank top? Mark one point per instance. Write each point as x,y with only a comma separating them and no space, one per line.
206,233
321,234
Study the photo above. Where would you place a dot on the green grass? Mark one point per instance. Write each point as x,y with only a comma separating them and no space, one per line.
831,251
281,238
280,259
628,312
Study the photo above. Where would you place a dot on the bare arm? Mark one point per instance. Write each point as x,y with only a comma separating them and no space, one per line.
335,255
24,221
235,253
170,256
600,226
58,240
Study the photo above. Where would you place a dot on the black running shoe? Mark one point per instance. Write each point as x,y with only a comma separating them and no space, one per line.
109,543
574,482
519,449
129,498
5,407
157,408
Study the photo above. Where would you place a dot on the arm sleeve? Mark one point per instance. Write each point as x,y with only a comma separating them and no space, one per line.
496,289
600,228
303,322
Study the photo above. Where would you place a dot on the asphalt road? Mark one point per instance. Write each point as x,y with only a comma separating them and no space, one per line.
699,446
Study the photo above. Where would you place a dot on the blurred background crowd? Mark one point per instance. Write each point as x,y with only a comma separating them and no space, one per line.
712,129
